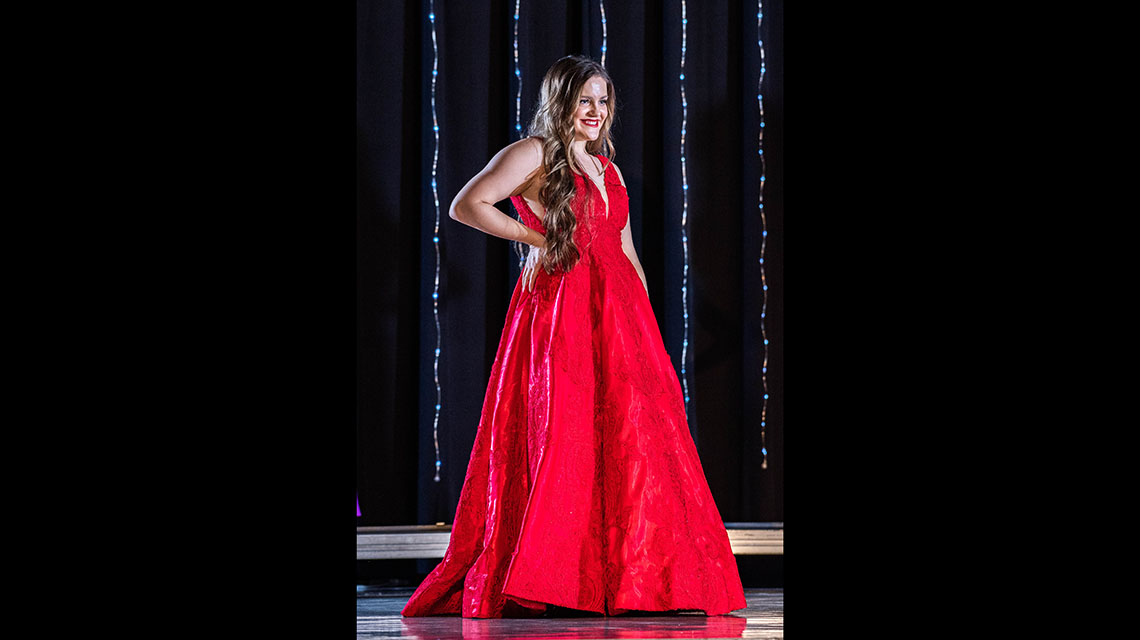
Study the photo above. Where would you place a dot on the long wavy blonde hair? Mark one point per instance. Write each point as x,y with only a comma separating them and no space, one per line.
553,121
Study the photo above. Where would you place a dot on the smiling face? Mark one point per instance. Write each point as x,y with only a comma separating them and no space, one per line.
593,109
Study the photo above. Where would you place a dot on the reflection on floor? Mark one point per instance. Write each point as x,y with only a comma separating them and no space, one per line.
378,616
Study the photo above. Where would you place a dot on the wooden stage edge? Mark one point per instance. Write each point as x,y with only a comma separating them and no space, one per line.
430,540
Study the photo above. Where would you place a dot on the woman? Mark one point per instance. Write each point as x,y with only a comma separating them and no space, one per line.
584,490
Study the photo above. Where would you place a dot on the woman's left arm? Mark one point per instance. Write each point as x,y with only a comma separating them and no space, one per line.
627,243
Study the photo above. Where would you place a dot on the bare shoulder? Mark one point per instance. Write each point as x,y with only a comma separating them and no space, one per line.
524,157
511,167
518,158
534,143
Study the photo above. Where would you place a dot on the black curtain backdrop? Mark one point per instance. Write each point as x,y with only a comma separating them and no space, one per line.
476,112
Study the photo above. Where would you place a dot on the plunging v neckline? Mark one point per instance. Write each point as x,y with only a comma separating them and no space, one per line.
605,196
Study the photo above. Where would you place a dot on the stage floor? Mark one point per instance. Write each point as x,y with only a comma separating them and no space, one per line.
378,616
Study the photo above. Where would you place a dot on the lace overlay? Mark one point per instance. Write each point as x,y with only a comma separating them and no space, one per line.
584,488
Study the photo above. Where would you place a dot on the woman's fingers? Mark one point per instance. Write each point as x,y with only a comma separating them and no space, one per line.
530,271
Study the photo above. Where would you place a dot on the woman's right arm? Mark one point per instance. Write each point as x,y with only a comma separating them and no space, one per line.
474,205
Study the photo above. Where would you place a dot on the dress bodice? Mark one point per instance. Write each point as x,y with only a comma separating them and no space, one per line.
594,225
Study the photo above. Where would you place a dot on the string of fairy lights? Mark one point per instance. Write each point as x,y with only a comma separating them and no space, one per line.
602,5
684,213
763,241
518,248
435,237
518,78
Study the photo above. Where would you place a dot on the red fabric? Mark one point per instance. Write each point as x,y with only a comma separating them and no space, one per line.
584,488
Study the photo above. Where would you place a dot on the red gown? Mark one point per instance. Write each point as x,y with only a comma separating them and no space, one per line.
584,488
